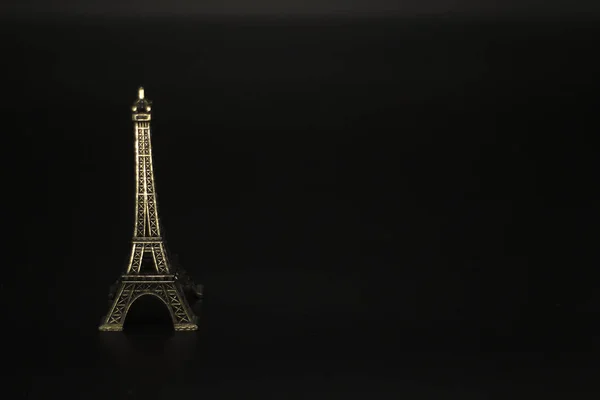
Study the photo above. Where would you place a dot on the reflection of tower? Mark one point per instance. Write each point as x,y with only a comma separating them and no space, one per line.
149,271
136,355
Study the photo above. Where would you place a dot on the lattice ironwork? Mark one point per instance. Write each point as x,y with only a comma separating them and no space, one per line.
167,290
162,281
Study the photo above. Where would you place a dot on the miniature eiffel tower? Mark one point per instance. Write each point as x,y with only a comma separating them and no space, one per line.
148,246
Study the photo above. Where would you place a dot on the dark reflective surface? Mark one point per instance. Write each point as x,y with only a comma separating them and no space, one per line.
377,209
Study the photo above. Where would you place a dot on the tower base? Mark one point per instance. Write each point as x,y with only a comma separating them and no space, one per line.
177,327
165,287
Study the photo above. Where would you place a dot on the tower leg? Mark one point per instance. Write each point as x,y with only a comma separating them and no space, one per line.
169,292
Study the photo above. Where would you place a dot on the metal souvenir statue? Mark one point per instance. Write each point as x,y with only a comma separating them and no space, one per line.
162,279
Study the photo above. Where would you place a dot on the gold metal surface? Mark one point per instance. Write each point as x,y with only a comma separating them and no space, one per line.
162,281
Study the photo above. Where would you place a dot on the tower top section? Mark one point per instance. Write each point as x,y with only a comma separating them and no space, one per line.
141,107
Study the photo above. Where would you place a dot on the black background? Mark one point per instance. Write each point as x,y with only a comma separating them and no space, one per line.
376,207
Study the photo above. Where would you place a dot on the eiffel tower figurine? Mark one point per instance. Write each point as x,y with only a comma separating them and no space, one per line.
148,246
